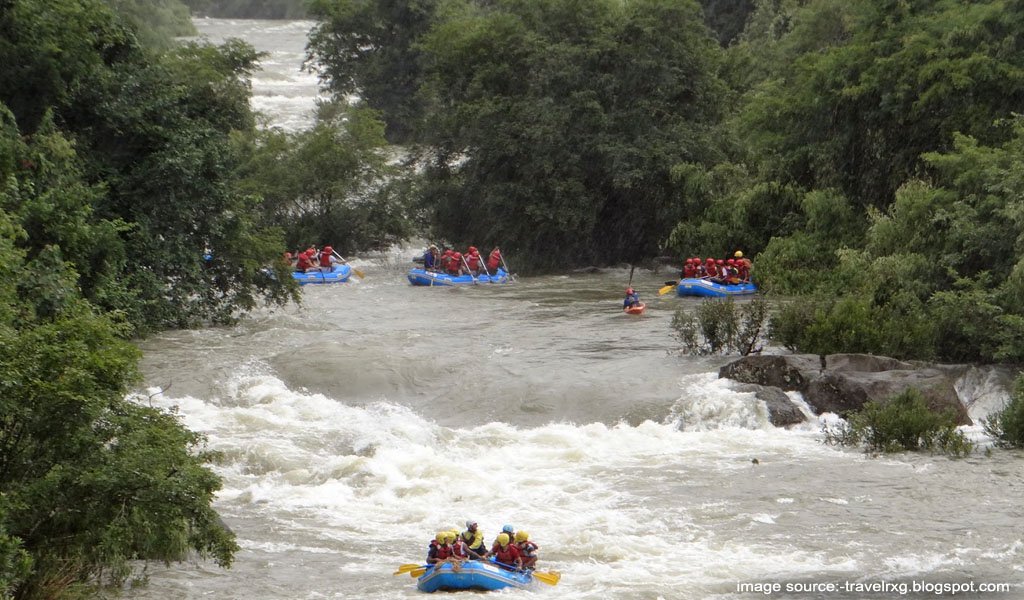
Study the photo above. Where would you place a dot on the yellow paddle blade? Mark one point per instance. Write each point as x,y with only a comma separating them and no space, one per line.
406,568
666,289
550,578
359,273
417,572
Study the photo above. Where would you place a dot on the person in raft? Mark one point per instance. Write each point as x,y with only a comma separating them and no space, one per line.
494,259
327,260
430,258
527,549
505,553
473,261
304,263
439,550
474,539
632,298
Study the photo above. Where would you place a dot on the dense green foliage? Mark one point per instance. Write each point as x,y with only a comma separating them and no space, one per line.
370,48
332,184
124,162
722,327
118,165
1006,426
156,22
866,154
902,423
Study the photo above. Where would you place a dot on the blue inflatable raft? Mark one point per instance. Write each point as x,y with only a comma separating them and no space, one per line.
710,289
338,274
433,278
472,575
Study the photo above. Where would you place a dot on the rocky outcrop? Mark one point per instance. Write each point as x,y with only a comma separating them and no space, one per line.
788,373
842,383
782,412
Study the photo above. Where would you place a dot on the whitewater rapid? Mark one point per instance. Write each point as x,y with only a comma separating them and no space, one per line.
353,428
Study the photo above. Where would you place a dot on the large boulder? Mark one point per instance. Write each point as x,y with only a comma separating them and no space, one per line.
842,383
782,412
844,392
788,373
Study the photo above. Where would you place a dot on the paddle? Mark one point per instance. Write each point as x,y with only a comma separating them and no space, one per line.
408,567
357,272
469,271
504,264
549,577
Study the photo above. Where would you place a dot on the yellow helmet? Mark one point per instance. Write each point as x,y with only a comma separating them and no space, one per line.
441,536
522,536
453,535
739,254
503,539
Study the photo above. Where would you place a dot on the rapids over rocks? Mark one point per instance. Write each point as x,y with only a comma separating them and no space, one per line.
356,426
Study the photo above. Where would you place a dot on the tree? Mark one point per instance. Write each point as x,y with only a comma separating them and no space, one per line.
861,90
332,184
370,49
556,125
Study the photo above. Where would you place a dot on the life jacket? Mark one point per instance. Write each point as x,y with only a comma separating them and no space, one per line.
507,555
325,259
455,263
473,260
494,259
475,541
689,271
444,552
527,548
304,262
459,549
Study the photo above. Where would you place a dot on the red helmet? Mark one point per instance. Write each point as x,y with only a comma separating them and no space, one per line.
730,262
629,290
720,262
711,260
457,255
689,261
473,249
447,251
328,249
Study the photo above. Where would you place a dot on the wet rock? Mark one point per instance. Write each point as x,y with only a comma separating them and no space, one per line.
842,393
782,412
788,373
842,383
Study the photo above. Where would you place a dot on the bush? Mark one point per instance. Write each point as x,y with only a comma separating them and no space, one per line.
1007,426
718,327
903,423
900,328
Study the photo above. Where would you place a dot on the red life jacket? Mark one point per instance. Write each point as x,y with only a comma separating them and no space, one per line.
689,271
444,552
459,549
304,262
494,259
325,259
507,555
473,260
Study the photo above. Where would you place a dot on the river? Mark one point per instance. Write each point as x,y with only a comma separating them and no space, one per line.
355,426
